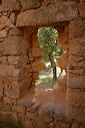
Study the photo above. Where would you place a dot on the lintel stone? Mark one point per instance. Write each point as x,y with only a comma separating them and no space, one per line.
51,14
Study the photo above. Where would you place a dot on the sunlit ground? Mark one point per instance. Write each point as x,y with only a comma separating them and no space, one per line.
45,80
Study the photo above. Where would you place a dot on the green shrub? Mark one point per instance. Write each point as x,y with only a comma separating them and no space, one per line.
7,122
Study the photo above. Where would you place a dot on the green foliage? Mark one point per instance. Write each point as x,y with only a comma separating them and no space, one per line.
48,38
6,122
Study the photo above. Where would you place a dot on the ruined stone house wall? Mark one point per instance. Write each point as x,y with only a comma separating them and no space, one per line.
21,59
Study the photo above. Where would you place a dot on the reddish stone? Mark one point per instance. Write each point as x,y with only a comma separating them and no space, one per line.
63,60
36,52
48,15
77,29
82,0
81,7
38,65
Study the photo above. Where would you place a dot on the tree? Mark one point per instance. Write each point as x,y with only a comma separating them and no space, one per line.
48,38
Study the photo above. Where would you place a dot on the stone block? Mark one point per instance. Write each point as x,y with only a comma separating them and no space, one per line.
5,22
15,32
30,57
63,81
15,81
76,62
11,93
3,34
76,97
63,36
4,107
38,65
7,100
48,15
8,72
12,89
13,45
24,85
3,60
24,71
17,60
81,7
30,4
35,42
77,125
1,89
9,5
37,52
35,75
12,73
77,47
12,17
77,113
76,81
63,60
18,109
77,29
60,124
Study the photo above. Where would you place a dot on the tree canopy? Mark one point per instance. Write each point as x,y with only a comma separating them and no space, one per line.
48,38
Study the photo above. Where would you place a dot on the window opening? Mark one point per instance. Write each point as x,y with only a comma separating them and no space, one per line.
48,40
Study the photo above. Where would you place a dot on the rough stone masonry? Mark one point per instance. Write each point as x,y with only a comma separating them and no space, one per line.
21,62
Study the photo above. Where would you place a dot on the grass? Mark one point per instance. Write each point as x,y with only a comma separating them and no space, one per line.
6,122
46,83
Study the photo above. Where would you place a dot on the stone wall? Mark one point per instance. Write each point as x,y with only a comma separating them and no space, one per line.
21,61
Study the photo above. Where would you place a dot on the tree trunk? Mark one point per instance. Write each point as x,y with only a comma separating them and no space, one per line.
54,73
60,72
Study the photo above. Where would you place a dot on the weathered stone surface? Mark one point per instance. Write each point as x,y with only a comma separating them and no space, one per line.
8,71
63,81
12,88
12,17
4,107
77,113
48,15
62,124
63,36
19,109
76,62
15,89
3,60
76,81
1,89
5,23
38,65
16,32
77,125
14,94
77,46
35,42
77,29
63,60
11,73
81,7
37,52
13,46
76,97
35,75
30,57
3,34
18,60
9,5
7,100
30,4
